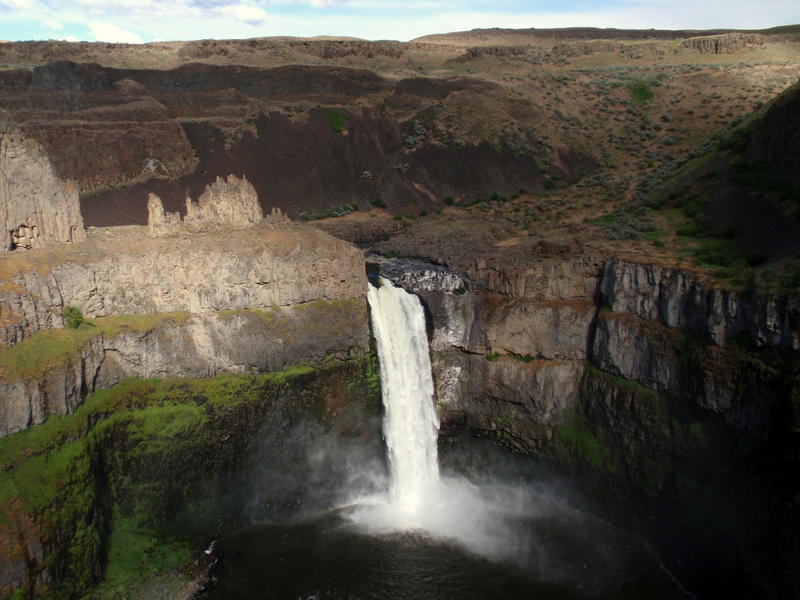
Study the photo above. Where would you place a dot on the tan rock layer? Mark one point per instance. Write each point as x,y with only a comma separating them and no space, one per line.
231,202
121,271
36,207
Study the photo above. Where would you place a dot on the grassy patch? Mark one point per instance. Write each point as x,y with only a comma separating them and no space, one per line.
51,348
578,443
626,224
634,388
136,552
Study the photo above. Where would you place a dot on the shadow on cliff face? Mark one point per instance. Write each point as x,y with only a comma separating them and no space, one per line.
308,137
301,165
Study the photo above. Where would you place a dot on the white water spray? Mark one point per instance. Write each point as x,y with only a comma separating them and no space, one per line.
410,424
483,517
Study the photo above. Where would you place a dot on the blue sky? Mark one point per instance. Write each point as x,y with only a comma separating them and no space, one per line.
151,20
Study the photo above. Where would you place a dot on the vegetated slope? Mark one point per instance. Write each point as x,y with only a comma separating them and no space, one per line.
743,200
343,124
774,140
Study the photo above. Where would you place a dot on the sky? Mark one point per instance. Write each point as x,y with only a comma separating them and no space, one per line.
138,21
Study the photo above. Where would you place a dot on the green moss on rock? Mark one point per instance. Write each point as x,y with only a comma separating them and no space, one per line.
142,472
50,348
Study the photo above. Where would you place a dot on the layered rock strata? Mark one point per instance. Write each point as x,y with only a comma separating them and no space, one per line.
671,401
629,319
268,269
183,345
121,271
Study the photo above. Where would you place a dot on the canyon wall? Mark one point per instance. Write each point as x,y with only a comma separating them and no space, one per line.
195,351
672,402
149,472
243,301
121,271
180,345
629,319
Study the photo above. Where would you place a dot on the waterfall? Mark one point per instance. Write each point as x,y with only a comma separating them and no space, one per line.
483,517
410,424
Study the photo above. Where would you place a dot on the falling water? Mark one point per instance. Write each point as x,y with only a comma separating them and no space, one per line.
418,524
410,424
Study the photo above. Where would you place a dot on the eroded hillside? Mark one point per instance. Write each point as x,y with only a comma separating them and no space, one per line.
325,126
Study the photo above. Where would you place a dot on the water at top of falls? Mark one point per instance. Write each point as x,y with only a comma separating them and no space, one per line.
410,424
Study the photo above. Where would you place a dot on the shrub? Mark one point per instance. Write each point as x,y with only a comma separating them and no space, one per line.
338,120
338,211
640,91
378,203
73,318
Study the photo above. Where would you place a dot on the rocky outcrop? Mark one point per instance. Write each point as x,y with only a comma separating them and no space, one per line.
247,342
567,278
225,202
724,380
36,207
518,400
120,271
723,44
160,222
492,51
230,202
677,299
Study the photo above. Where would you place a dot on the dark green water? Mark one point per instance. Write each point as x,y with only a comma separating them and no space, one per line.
554,548
325,558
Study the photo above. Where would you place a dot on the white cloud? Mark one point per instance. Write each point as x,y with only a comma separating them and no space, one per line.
53,24
370,19
70,38
245,13
106,32
19,4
